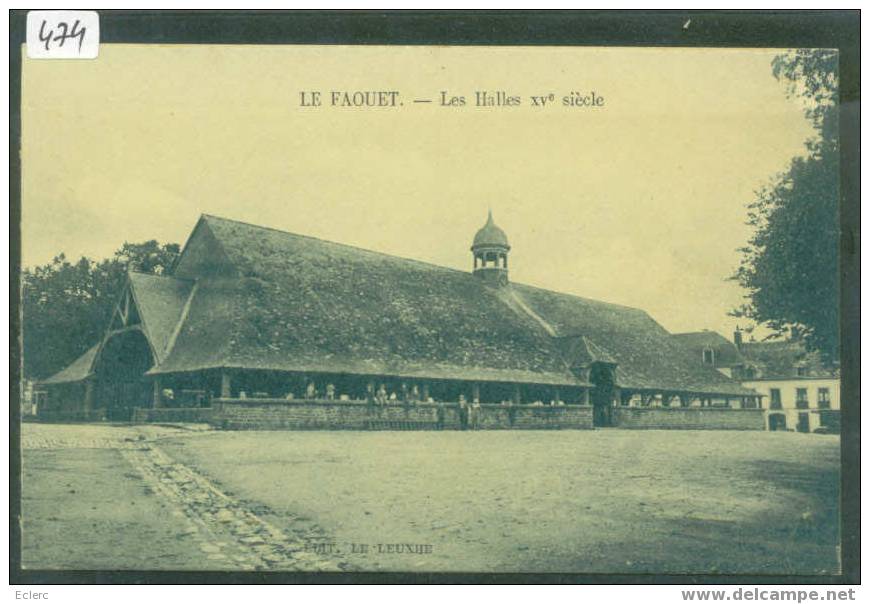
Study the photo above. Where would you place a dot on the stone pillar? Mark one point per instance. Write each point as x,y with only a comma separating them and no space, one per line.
475,393
89,396
585,395
425,394
226,385
518,395
157,403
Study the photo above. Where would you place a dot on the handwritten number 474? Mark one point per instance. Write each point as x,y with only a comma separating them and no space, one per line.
63,33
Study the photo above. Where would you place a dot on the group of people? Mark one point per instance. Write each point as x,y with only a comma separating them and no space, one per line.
378,397
409,395
311,393
469,415
381,396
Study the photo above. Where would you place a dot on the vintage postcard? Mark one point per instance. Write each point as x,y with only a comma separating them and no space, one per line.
425,308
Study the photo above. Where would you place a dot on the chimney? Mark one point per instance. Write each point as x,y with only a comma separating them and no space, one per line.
738,337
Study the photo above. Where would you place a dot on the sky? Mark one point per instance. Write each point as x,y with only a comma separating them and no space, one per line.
641,201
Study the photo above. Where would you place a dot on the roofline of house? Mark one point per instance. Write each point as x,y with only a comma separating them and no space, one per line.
711,393
794,378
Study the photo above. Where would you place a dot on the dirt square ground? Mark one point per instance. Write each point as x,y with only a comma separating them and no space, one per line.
569,501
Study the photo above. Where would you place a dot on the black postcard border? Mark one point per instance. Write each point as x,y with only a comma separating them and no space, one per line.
768,29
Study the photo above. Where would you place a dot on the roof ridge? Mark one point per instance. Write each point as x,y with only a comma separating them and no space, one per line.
178,326
695,333
156,276
596,350
509,294
709,335
338,243
578,297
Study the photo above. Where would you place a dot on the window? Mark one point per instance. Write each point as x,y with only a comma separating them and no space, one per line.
824,398
802,400
775,398
801,371
708,356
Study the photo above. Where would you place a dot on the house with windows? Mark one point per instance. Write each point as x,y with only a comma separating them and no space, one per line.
712,350
800,391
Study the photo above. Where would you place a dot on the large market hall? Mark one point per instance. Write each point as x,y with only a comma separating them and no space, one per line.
250,312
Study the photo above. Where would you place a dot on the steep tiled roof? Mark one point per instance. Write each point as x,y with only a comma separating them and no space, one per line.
647,356
298,303
77,370
780,360
257,298
160,301
291,302
582,351
771,359
725,352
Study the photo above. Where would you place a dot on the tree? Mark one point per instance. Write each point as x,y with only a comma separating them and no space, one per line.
790,266
67,306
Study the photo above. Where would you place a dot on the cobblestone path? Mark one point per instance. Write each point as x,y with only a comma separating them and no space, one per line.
231,534
226,529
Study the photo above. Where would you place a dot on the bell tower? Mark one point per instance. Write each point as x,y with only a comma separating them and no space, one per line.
490,250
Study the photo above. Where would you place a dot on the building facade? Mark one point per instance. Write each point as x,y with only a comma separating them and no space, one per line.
800,392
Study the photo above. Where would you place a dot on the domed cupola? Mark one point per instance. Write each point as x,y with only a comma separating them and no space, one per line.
490,249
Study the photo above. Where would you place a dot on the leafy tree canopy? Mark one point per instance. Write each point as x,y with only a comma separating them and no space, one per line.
66,306
790,266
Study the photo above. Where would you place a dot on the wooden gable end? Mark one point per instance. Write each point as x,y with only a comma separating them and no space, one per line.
126,317
126,313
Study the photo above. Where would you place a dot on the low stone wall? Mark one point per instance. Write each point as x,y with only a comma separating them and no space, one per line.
279,414
690,418
60,416
173,415
526,417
